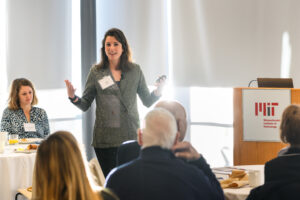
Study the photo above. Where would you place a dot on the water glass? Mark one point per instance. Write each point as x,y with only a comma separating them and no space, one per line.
13,139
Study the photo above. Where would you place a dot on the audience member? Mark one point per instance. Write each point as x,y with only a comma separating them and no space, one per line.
130,150
60,171
20,117
282,174
157,173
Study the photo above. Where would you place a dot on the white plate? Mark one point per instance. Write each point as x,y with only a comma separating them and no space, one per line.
25,151
30,140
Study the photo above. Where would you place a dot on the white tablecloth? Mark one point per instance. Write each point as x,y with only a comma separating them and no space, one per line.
242,193
16,171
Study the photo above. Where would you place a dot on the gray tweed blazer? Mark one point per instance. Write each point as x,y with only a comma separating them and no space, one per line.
117,117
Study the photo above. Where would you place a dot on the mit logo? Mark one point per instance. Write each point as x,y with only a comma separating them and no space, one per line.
268,109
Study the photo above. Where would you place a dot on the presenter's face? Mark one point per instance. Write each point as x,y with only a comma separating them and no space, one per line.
113,49
25,95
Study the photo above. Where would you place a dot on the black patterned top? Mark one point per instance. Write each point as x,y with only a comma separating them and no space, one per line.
13,122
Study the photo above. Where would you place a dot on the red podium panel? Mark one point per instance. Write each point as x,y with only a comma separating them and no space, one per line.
253,152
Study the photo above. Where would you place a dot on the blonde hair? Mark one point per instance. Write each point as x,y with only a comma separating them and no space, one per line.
13,100
290,125
60,172
160,129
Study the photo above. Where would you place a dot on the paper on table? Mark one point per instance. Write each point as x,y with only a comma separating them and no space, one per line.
226,170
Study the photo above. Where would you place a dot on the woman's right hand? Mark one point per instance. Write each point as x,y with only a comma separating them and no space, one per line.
71,90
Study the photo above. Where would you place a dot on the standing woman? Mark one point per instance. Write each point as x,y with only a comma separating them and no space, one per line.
21,117
114,83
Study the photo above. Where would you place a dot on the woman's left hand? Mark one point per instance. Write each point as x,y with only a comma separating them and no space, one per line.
160,83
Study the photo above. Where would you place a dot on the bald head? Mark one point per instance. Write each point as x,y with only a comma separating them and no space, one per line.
159,129
179,113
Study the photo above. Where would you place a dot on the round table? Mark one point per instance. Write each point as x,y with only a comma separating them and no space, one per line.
243,192
16,170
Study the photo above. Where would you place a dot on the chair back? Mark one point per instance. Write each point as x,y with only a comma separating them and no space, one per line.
96,172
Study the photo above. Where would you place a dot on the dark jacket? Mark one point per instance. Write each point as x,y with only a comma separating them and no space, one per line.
158,174
282,178
130,150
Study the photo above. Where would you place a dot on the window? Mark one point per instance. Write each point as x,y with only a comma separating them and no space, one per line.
3,78
211,130
210,120
61,113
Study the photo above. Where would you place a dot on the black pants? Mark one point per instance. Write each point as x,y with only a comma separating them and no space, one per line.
107,158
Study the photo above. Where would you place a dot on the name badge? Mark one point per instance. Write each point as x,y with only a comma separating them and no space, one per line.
105,82
29,127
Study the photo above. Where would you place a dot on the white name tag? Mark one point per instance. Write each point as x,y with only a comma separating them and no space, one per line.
105,82
29,127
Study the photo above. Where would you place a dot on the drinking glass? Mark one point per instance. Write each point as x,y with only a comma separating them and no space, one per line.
13,139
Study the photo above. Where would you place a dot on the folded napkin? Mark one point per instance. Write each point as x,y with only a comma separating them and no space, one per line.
237,178
29,189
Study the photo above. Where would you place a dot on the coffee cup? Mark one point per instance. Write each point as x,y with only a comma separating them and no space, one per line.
255,178
3,140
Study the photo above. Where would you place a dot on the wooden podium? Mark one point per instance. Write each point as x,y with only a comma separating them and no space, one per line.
253,152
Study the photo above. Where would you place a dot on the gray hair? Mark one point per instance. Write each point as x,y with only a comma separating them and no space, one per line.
160,129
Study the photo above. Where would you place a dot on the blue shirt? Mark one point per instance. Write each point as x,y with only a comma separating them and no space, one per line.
13,122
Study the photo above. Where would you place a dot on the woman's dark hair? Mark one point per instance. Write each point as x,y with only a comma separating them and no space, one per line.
125,58
290,125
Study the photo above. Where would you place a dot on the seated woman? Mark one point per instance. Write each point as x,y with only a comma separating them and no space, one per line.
282,174
20,117
60,171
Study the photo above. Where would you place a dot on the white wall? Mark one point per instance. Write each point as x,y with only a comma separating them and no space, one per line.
39,41
228,43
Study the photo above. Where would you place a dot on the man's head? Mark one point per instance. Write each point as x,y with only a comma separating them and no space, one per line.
179,113
159,129
290,125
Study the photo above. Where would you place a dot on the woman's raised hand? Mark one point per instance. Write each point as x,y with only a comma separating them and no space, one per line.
70,89
160,83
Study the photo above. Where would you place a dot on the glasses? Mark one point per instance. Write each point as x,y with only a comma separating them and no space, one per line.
13,139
